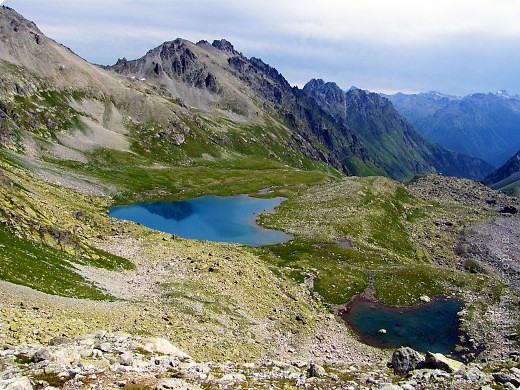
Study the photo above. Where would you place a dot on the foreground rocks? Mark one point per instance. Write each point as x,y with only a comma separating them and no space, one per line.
435,370
104,360
405,359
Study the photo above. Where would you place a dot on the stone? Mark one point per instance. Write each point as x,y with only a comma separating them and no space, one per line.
59,341
441,362
425,298
42,354
80,215
509,210
176,384
233,377
503,378
21,383
126,359
300,382
104,347
163,347
405,359
382,331
317,371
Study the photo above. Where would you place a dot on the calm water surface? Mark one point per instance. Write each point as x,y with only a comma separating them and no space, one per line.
213,218
428,327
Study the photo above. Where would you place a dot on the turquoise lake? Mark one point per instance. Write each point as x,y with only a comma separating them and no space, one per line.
428,327
212,218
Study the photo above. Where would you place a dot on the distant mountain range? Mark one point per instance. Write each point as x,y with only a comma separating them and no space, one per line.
394,146
200,104
480,125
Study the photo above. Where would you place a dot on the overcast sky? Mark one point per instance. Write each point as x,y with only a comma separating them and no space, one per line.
452,46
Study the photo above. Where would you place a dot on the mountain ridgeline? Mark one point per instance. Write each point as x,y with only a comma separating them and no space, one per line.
217,77
199,105
393,145
481,125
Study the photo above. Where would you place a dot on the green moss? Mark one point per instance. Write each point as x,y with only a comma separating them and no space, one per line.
43,268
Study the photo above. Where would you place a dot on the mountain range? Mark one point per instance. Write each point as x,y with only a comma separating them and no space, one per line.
393,145
167,104
481,125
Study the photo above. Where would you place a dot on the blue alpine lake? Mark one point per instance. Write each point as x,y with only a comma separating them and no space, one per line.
213,218
431,326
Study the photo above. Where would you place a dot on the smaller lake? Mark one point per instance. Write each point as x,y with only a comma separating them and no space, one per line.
213,218
431,327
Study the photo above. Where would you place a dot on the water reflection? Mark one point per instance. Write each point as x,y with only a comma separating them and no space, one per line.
214,218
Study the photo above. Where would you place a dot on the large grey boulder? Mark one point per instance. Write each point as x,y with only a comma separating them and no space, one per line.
21,383
405,359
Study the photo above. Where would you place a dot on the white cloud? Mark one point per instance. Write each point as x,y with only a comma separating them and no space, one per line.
457,46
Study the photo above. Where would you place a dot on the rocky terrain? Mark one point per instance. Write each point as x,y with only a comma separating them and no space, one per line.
104,360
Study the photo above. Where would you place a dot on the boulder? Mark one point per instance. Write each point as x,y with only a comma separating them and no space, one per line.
441,362
163,347
405,359
21,383
43,354
503,378
175,384
425,298
315,370
382,331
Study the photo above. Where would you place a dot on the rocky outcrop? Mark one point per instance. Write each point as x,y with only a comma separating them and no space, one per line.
441,362
405,359
225,45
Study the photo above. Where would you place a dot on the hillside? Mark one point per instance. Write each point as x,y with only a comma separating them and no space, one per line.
480,125
394,146
90,301
507,177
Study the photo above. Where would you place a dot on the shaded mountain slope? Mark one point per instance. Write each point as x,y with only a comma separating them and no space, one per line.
507,177
392,143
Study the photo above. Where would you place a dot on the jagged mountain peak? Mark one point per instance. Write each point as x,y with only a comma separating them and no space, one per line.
224,45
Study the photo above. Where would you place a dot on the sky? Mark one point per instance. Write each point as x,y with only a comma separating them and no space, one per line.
452,46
